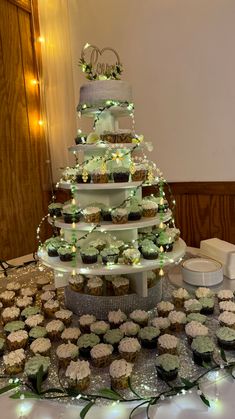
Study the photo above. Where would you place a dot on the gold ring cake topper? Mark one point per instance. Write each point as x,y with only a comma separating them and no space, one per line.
94,68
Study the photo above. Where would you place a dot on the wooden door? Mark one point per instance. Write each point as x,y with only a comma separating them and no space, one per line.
24,157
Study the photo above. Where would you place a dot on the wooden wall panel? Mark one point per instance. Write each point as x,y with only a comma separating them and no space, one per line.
204,210
23,148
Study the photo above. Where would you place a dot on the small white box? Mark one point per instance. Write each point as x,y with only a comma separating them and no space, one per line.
221,251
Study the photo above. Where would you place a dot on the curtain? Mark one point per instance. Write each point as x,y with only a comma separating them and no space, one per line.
57,81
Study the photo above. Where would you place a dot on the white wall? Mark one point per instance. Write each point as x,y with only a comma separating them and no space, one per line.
179,56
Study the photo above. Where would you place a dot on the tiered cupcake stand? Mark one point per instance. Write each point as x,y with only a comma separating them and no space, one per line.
111,194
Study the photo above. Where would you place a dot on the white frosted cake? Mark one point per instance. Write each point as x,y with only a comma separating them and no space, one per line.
99,91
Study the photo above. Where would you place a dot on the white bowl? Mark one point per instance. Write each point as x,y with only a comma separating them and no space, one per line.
202,272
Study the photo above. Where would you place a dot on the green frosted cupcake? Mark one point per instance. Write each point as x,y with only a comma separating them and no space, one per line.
30,311
37,332
113,337
86,342
33,365
89,255
14,326
226,338
208,305
148,336
166,241
198,317
202,347
167,366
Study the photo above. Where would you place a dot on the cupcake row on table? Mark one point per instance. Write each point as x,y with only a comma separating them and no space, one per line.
106,285
97,212
39,325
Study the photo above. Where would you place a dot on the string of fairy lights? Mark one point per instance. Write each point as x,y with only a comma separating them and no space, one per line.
154,175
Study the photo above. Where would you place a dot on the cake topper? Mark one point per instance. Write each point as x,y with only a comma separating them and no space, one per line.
93,66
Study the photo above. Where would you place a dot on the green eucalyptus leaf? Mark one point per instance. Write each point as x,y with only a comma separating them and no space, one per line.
53,390
222,354
85,410
39,379
186,382
26,394
205,400
111,394
9,387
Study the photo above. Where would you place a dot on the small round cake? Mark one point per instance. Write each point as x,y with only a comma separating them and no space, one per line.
168,344
129,349
119,215
86,342
226,318
194,329
130,328
34,364
54,329
41,346
139,316
95,286
85,322
109,255
164,308
161,323
10,314
149,209
14,326
202,292
120,370
198,317
121,174
101,355
92,215
71,334
78,374
149,336
192,306
51,307
180,295
227,306
167,366
226,338
225,295
113,337
66,352
23,302
30,311
17,340
33,321
120,285
131,256
37,332
47,296
177,319
7,298
202,347
208,305
89,255
13,286
99,328
14,362
76,282
116,318
64,315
